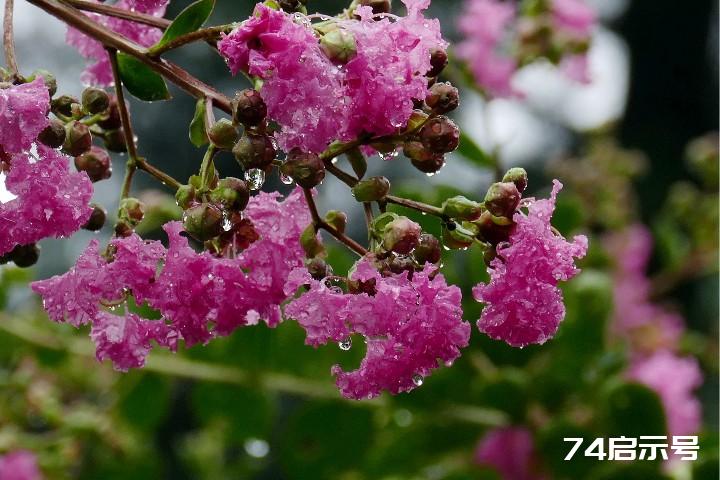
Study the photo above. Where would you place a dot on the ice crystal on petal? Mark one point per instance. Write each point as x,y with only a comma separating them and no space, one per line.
524,304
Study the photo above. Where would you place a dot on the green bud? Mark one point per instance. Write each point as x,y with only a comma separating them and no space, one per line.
232,193
203,222
307,169
54,134
97,218
223,134
310,243
336,219
518,176
254,151
502,199
401,235
95,100
185,196
461,208
131,210
339,45
77,139
427,250
63,105
416,120
371,190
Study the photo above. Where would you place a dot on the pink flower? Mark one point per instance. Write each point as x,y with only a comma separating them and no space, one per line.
99,71
51,201
524,304
573,17
199,296
19,465
407,323
485,24
23,115
510,451
674,379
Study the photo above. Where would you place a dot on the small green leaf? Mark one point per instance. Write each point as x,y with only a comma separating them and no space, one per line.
198,134
357,162
189,20
140,80
472,151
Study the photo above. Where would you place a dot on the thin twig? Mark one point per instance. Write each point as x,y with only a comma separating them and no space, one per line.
8,38
110,11
208,34
415,205
322,224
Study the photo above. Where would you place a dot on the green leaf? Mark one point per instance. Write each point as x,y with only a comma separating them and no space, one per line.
357,162
198,133
189,20
472,151
140,80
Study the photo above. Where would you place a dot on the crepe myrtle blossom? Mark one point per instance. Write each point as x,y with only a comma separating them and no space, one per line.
19,465
369,89
409,323
523,302
510,451
23,115
99,72
198,295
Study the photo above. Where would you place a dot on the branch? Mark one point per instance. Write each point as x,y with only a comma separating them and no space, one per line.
8,39
322,224
170,71
415,205
109,11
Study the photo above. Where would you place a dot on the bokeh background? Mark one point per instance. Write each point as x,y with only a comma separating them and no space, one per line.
261,405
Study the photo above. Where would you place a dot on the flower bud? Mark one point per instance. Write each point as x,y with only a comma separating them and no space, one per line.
63,105
502,199
292,5
492,231
305,168
310,242
114,140
77,139
97,218
460,208
318,268
416,120
427,250
254,151
223,134
185,196
95,100
123,229
422,158
339,45
438,62
442,98
457,237
518,176
203,222
113,120
336,219
371,190
249,107
131,210
378,6
440,135
401,235
48,78
232,193
96,163
399,264
24,255
54,134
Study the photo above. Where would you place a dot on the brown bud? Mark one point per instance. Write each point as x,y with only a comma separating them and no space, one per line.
131,210
502,199
113,121
54,134
249,107
77,139
443,98
378,6
96,163
307,169
114,140
254,150
427,250
97,218
95,100
63,105
440,135
438,62
24,255
401,235
232,193
318,268
492,232
422,158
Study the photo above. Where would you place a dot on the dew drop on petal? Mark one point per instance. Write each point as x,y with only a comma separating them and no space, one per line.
255,178
417,380
345,344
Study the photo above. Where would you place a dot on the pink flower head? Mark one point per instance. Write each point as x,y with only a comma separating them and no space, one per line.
674,379
524,304
51,201
510,451
23,115
99,71
408,324
485,24
198,295
19,465
573,17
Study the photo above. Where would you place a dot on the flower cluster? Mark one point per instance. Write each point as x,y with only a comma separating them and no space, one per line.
198,295
358,77
408,321
524,303
499,39
653,333
99,72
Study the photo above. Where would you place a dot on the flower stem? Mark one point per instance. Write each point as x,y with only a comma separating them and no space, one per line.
110,11
8,38
206,34
415,205
322,224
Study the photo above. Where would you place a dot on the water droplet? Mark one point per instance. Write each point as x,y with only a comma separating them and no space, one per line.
286,179
346,344
417,380
389,155
431,174
256,447
255,178
227,224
